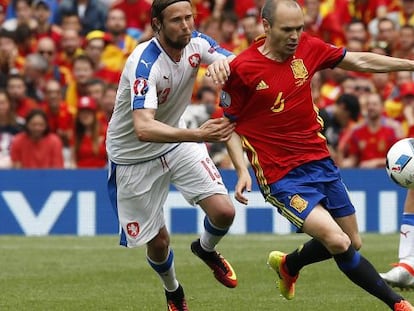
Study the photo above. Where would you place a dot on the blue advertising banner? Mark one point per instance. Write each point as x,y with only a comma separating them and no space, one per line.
46,202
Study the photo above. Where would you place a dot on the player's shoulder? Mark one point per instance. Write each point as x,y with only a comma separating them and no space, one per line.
145,56
147,49
144,61
248,55
197,35
200,40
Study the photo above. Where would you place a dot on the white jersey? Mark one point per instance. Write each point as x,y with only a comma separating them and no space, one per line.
151,79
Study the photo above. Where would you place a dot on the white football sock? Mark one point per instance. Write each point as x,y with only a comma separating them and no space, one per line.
167,277
208,240
406,248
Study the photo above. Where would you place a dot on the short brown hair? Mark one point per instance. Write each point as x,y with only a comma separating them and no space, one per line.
160,5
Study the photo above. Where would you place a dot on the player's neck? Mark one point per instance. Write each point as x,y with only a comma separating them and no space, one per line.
173,53
268,53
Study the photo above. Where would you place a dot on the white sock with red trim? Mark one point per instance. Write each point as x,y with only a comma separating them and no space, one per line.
406,248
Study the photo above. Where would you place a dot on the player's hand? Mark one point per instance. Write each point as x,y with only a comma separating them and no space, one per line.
216,130
219,71
244,183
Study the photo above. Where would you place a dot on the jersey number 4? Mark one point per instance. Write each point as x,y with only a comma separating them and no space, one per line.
279,103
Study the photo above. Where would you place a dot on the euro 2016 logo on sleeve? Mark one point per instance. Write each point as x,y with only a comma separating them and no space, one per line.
141,86
225,99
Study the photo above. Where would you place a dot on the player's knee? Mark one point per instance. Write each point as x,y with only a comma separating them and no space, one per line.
223,217
337,243
227,215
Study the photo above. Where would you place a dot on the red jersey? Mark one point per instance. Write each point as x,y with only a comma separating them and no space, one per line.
363,10
367,145
60,120
272,106
245,7
45,153
24,106
54,32
87,158
108,75
138,13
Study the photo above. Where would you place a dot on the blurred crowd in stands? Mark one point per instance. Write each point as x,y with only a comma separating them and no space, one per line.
60,61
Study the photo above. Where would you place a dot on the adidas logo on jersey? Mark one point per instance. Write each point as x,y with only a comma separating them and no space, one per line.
262,86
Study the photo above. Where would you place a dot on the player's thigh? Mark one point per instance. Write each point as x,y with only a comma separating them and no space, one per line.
141,192
342,210
320,225
194,173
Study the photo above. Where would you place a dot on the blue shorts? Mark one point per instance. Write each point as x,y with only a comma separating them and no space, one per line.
297,193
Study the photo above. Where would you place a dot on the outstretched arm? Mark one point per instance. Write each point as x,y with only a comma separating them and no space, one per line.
244,182
219,71
372,62
147,128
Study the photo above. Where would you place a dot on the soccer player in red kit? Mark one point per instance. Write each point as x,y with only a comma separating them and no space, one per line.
268,96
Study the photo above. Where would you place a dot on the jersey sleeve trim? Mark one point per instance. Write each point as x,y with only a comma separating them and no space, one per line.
214,46
142,72
230,117
340,60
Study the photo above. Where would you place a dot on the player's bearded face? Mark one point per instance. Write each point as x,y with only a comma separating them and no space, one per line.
177,25
177,43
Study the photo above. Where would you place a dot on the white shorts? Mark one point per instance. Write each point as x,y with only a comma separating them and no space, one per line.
139,191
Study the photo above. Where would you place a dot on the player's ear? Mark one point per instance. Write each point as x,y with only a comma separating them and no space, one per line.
156,25
266,26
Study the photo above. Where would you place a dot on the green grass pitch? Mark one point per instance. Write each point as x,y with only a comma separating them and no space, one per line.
94,273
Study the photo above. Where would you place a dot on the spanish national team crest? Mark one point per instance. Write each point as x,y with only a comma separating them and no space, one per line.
141,86
298,203
300,73
132,229
194,60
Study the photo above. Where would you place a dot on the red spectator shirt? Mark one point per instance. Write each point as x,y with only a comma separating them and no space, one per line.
245,7
24,106
272,106
138,13
62,120
367,145
364,10
108,75
45,153
87,158
54,32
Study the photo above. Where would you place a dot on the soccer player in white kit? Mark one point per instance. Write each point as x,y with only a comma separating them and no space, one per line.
149,147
